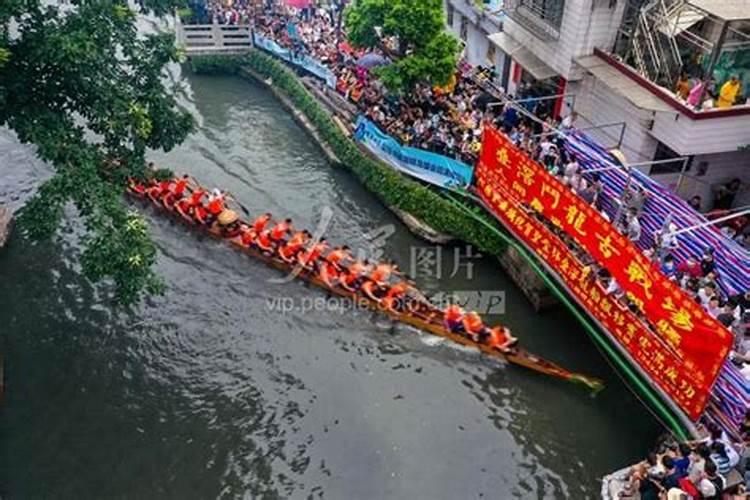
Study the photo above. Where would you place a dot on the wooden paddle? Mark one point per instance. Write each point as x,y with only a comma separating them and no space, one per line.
243,207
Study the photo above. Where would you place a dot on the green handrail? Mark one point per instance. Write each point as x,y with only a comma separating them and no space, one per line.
594,333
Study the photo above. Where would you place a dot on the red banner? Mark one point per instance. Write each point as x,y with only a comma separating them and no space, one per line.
682,349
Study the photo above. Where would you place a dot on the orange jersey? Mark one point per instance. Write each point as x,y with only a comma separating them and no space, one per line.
397,290
248,237
216,205
312,253
195,198
180,186
381,273
136,186
498,337
259,224
264,240
279,230
200,213
369,288
328,273
297,240
336,256
453,313
473,323
356,270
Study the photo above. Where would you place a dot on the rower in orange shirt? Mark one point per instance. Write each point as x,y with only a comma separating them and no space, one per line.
185,205
298,240
247,235
259,224
396,294
501,339
329,274
280,230
309,258
381,273
473,326
200,214
452,317
371,290
215,204
264,241
139,187
354,275
158,190
339,255
176,192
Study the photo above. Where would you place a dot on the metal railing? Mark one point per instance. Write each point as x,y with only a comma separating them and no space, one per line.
543,18
208,38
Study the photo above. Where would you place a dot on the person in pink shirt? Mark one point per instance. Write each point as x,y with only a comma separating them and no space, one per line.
691,267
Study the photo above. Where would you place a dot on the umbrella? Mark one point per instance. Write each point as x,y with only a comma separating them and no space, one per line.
371,60
299,4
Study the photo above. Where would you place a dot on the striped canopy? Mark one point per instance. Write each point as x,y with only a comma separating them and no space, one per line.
731,392
732,261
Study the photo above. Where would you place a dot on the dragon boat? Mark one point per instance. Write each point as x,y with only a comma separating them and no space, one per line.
421,314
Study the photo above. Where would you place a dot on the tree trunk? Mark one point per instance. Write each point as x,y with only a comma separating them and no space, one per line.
6,225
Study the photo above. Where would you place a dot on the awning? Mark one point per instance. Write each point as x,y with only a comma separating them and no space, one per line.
522,56
621,84
728,10
679,20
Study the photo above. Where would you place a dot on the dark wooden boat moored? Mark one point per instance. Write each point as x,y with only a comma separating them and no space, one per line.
425,317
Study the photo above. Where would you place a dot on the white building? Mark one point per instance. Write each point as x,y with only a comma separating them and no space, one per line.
621,59
473,23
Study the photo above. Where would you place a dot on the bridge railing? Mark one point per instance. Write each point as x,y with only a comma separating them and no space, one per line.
214,37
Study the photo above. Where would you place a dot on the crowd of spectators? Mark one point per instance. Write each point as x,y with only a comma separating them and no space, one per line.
711,469
443,120
697,94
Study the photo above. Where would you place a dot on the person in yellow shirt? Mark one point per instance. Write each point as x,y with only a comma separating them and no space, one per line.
728,93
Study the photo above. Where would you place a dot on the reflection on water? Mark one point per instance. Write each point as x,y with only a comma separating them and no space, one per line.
208,392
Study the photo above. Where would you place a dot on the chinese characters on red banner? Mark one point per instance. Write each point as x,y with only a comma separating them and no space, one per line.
683,350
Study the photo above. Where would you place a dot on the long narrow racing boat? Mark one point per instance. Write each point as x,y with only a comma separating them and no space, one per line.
425,316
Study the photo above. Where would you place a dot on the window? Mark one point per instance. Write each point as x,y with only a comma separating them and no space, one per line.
490,53
450,15
464,28
542,17
549,11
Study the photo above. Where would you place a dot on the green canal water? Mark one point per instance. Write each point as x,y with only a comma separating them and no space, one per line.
211,391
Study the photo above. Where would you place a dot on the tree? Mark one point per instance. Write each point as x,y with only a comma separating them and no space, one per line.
424,51
81,84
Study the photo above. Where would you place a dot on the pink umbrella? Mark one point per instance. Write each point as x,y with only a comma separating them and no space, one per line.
299,4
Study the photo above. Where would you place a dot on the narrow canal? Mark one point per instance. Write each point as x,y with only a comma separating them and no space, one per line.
212,392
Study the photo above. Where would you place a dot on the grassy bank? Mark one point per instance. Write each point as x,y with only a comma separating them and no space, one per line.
393,188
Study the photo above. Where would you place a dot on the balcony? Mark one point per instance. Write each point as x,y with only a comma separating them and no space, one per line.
707,41
685,130
488,15
543,18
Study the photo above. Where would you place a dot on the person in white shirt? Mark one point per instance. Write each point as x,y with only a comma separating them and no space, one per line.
569,121
572,167
713,307
633,228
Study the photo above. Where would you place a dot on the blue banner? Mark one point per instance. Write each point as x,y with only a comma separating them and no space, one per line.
429,167
305,62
